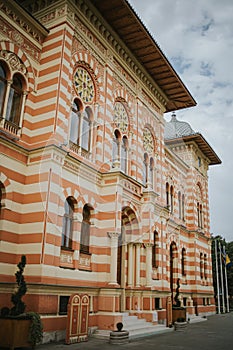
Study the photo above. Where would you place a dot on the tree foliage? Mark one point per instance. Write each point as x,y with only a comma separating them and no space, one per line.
229,251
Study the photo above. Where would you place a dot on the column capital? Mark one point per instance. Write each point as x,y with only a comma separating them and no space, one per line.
113,234
148,244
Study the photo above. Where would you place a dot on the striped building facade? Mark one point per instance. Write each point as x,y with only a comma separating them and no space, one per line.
100,193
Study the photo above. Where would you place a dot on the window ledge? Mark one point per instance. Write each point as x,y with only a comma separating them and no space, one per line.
85,261
66,258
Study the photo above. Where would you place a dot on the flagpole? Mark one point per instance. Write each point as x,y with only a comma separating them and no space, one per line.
217,275
227,296
221,273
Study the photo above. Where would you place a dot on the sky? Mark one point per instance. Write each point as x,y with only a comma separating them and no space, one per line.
197,39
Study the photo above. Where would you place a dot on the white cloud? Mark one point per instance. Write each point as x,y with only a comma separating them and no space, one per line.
197,39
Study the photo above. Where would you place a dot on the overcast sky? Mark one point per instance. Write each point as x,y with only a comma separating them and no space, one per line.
197,39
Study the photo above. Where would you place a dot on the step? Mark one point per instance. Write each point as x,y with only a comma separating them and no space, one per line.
195,319
137,327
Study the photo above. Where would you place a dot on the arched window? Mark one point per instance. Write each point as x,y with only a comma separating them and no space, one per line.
75,122
201,217
183,208
115,149
167,195
3,85
172,197
1,198
145,169
124,147
151,172
205,266
67,225
154,250
201,265
183,258
198,214
179,204
85,230
80,127
199,196
15,100
86,129
12,92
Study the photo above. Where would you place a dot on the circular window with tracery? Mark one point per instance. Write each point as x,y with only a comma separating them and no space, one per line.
148,142
84,85
120,117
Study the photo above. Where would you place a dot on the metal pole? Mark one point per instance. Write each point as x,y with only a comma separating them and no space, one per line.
217,276
223,293
226,283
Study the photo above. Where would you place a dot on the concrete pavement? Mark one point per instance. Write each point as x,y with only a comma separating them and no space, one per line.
215,333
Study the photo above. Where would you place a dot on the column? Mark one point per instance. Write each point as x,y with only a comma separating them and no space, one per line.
138,265
130,264
113,265
148,264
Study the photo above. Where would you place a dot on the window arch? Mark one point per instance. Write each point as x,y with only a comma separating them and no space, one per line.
183,208
154,250
148,164
75,121
12,98
15,100
85,229
205,266
151,172
80,127
124,155
120,144
67,225
201,265
86,129
115,148
200,213
120,117
145,169
167,195
179,205
171,199
183,261
3,86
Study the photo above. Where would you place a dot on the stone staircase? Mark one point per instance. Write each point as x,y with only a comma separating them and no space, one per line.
195,318
137,328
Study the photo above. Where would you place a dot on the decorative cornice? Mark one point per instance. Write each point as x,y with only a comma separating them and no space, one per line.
87,14
11,10
118,47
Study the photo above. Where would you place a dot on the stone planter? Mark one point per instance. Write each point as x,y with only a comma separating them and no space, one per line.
119,337
178,312
14,333
180,326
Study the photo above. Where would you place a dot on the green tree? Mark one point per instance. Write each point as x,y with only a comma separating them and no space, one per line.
229,251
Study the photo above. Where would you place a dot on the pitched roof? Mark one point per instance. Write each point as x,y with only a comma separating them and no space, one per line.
123,19
177,131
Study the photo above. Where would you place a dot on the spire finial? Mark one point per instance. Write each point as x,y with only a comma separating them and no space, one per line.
173,119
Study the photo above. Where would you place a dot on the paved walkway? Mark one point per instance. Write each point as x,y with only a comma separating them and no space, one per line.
214,334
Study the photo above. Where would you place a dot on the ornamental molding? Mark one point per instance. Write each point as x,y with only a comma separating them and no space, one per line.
10,33
14,62
102,33
24,22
